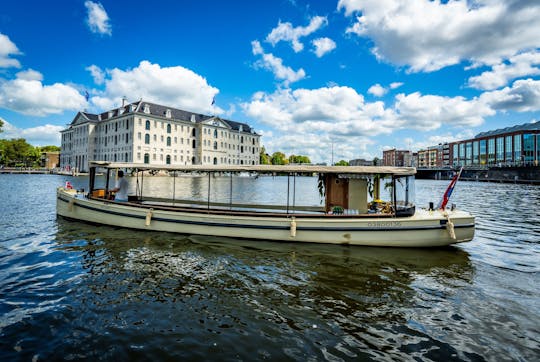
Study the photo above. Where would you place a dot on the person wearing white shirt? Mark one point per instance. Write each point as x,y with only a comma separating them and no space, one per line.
120,188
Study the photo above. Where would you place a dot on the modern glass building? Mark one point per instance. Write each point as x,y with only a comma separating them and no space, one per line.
512,146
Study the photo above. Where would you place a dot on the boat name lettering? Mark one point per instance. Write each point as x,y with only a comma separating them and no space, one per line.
383,224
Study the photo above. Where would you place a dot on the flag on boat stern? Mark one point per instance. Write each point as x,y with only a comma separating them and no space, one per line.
448,192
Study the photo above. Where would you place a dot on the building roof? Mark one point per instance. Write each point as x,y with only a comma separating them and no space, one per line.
156,110
535,126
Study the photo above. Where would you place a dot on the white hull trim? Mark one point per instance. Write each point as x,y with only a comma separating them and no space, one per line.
424,229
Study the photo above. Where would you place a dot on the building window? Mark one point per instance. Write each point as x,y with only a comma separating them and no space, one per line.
491,151
528,148
215,145
508,149
147,139
169,128
215,160
169,141
517,149
500,149
147,127
215,133
168,160
146,158
483,152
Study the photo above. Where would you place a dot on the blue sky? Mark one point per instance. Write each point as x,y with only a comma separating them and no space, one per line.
356,75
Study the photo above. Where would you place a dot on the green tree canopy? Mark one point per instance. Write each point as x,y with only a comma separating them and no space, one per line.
18,152
342,163
1,125
264,158
49,149
299,159
279,158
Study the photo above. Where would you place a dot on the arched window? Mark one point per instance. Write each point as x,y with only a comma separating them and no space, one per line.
215,160
168,159
242,139
194,132
147,139
194,144
147,125
215,133
168,141
193,159
126,157
215,145
168,128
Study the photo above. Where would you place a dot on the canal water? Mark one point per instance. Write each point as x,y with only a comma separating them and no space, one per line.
72,291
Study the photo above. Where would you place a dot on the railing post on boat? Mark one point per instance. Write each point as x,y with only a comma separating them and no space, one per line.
107,180
174,187
230,192
288,186
92,180
294,192
208,190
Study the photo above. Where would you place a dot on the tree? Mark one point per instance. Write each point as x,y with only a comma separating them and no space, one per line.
49,149
376,161
279,158
299,159
1,125
342,163
18,152
264,157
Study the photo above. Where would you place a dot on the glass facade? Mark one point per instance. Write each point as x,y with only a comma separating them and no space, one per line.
468,153
508,149
483,152
528,148
475,158
500,149
517,149
491,151
461,154
455,154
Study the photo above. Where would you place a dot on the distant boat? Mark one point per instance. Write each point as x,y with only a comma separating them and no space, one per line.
346,217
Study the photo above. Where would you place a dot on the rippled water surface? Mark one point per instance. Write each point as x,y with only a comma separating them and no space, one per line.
74,291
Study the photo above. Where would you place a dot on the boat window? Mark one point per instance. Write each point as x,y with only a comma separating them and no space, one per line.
403,195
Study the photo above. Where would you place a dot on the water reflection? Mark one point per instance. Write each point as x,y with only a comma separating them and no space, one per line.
290,300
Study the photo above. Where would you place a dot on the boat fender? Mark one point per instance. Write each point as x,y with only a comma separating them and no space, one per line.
293,227
450,227
148,217
70,204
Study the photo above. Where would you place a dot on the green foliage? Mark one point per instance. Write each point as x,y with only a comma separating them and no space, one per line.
1,125
279,158
299,159
49,149
376,161
264,158
342,163
18,152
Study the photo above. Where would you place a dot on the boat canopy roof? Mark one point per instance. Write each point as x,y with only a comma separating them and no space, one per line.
360,170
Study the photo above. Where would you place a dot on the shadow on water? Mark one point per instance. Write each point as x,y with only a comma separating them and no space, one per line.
139,294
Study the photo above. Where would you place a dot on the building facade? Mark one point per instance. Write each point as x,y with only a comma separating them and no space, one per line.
398,158
434,156
511,146
144,132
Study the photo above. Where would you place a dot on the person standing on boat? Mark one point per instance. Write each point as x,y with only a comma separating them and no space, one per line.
121,188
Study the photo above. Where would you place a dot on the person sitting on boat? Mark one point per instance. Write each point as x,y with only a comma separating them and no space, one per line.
121,188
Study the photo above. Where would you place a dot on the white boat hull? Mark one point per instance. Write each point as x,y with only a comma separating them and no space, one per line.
424,229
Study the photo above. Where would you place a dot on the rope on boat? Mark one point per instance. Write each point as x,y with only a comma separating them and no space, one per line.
450,226
293,227
148,217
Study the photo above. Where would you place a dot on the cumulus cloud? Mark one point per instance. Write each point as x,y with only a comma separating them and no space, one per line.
395,85
286,32
323,46
8,49
27,94
97,74
430,112
275,65
522,96
38,136
525,64
426,35
377,90
176,86
98,20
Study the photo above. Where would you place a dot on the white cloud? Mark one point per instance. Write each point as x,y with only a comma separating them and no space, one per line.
275,65
377,90
97,74
98,20
521,65
323,46
175,86
28,95
7,49
434,140
38,136
429,35
430,112
286,32
522,96
395,85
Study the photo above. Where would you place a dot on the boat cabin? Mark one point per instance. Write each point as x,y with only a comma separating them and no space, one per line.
345,190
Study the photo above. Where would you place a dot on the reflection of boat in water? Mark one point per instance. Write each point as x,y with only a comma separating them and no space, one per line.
346,218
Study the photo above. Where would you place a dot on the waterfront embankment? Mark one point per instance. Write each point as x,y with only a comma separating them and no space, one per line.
511,174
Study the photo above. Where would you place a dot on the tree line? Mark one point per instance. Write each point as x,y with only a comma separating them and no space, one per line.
19,153
279,158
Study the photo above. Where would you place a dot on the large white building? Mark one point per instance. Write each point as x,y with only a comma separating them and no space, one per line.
144,132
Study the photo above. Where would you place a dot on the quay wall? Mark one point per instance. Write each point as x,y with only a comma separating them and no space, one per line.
522,174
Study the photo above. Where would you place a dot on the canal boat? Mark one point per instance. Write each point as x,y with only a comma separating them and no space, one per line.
352,211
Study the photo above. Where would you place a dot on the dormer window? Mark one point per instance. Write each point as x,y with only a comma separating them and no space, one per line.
146,109
192,118
168,113
132,108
